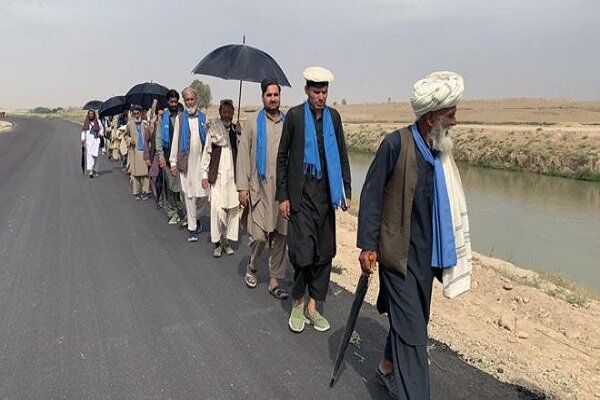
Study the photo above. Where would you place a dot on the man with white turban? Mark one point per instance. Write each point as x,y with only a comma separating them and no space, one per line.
406,223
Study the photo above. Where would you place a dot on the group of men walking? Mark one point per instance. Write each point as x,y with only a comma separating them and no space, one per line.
289,173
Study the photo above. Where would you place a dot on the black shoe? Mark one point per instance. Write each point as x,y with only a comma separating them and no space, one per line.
192,236
388,381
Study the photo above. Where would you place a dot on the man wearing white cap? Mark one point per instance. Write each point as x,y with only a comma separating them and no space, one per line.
313,180
406,223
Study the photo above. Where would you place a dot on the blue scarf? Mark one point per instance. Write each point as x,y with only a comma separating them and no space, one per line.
312,162
186,128
443,254
140,138
165,132
261,144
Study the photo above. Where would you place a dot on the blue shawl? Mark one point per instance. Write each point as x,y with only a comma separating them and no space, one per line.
312,162
140,138
165,133
261,144
443,254
185,129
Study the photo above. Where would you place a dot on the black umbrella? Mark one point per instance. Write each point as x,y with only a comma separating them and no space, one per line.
113,106
143,94
92,105
359,297
83,159
241,62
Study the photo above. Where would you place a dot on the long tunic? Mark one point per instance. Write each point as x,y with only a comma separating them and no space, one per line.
137,164
191,181
406,299
264,210
92,144
223,192
311,230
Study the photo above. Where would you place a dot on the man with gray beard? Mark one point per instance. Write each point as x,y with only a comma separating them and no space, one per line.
405,224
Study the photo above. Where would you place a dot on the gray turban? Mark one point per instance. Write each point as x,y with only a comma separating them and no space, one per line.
438,90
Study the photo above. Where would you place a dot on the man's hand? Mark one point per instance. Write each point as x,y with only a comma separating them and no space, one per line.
148,163
284,209
368,261
204,184
174,170
162,163
244,196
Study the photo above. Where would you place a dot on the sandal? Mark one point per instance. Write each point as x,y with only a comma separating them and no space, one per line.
250,278
279,293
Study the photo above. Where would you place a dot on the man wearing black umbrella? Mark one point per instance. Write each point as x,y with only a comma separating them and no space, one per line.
313,180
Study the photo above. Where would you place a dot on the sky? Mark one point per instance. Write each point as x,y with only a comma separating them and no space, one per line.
65,52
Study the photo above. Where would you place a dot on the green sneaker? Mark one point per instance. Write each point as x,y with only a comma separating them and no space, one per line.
318,321
297,319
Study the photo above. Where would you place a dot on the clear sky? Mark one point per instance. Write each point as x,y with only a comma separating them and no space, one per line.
65,52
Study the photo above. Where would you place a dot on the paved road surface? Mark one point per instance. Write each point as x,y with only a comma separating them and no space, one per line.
101,299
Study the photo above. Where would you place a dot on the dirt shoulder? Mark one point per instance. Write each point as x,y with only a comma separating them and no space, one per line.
512,324
549,136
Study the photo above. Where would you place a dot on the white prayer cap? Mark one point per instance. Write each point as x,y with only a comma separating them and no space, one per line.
438,90
318,74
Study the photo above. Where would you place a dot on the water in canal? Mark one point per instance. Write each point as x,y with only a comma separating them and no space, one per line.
534,221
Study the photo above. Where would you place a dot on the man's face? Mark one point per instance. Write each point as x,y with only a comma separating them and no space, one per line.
172,102
190,100
91,115
440,133
137,116
270,99
226,113
317,96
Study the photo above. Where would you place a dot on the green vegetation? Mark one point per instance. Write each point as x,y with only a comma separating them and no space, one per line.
204,95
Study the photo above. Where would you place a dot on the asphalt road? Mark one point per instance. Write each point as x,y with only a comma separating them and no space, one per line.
101,299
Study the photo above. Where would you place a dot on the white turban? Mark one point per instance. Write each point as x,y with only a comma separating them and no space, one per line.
438,90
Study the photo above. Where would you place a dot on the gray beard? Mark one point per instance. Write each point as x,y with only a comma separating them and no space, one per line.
138,120
192,110
440,139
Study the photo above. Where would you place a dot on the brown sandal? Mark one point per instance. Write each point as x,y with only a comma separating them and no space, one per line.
279,293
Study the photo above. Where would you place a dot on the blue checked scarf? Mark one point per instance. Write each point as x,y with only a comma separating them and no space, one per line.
312,162
186,128
261,144
443,254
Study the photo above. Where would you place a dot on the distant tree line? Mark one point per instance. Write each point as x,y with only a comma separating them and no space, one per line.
45,110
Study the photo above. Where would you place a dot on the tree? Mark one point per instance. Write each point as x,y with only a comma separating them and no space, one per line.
203,90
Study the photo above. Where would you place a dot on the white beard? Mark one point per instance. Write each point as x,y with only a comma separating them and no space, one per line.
137,120
192,110
440,138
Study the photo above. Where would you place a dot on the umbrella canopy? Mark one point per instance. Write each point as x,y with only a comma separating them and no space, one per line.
92,105
113,106
143,94
359,297
241,62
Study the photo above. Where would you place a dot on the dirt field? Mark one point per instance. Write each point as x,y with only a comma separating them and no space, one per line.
512,324
557,137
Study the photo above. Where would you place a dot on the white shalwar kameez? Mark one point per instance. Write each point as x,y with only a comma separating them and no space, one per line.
191,184
224,199
92,145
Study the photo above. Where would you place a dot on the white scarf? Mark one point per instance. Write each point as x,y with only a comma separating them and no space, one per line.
457,280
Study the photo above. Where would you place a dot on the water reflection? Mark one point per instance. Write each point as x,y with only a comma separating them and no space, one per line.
532,220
